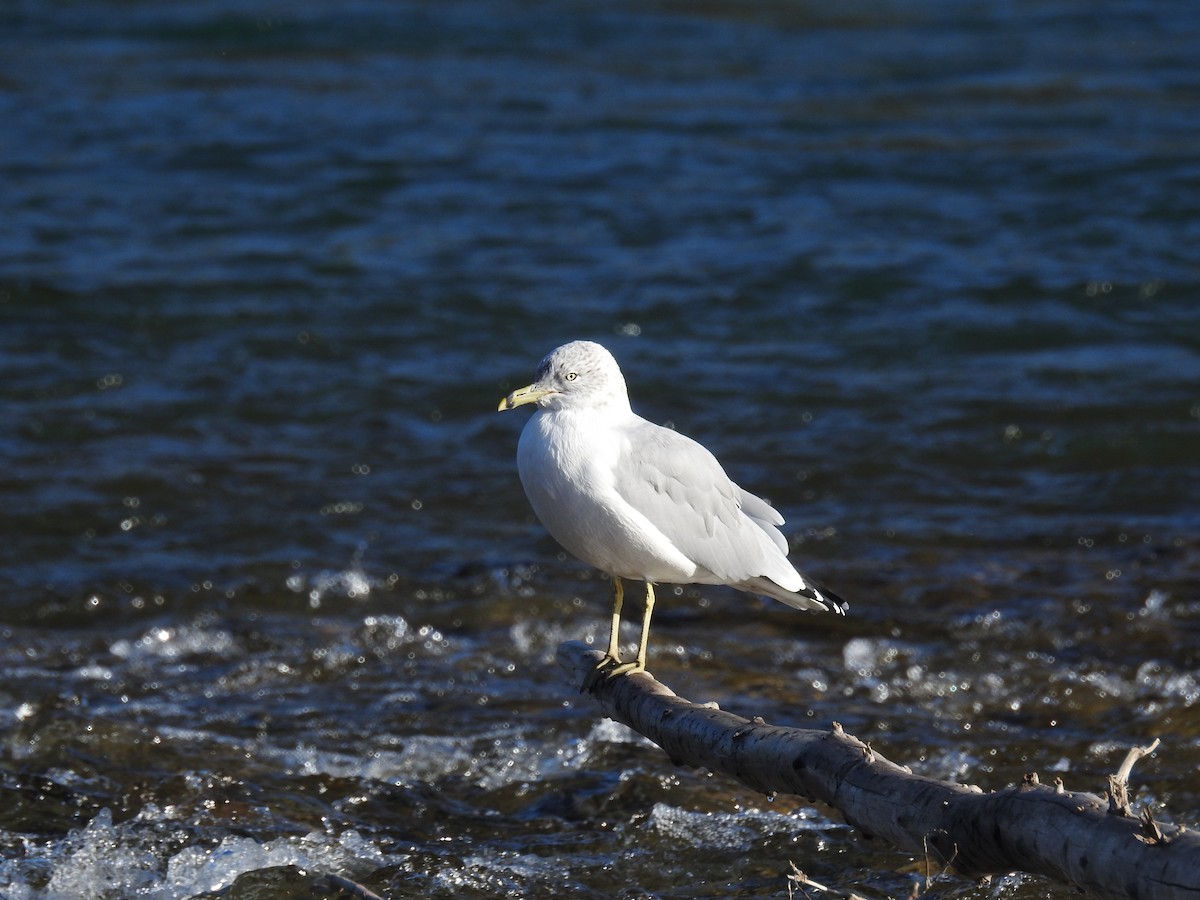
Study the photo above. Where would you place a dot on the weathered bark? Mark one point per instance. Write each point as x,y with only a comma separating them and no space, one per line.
1064,835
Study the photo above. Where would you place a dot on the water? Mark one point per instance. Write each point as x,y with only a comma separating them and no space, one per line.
274,607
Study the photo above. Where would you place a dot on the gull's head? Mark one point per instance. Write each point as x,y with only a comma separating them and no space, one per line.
578,374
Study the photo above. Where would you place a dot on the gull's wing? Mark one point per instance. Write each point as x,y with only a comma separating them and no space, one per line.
681,489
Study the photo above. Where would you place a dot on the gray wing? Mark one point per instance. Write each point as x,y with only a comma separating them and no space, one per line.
765,516
683,491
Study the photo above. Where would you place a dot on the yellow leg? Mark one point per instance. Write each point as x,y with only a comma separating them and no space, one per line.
639,665
645,638
612,658
614,630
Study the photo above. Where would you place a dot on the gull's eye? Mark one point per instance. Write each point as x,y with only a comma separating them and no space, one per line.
571,376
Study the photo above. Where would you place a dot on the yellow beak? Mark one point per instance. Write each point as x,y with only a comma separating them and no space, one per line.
528,394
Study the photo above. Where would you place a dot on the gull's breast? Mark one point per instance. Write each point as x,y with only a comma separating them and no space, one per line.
566,462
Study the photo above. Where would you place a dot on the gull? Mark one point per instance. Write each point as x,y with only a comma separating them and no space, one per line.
642,502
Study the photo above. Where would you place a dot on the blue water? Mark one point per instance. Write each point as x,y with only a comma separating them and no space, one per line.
273,603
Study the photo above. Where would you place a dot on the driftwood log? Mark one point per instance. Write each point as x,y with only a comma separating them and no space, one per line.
1077,838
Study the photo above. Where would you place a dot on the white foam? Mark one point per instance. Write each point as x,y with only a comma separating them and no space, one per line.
175,642
502,874
104,860
729,830
195,870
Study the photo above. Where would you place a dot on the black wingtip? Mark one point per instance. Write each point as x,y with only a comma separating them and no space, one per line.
836,603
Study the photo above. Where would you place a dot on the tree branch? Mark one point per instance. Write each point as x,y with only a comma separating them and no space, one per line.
1118,785
1067,836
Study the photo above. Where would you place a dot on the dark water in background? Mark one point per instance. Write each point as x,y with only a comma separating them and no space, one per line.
273,604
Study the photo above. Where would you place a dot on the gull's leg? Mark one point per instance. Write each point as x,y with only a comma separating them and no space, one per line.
612,658
639,665
615,629
645,638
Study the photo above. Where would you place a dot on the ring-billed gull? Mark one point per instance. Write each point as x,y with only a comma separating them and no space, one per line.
640,501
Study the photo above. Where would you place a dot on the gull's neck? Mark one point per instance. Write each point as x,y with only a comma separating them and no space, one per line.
612,408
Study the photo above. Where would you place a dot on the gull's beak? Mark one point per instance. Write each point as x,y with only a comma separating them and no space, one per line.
531,393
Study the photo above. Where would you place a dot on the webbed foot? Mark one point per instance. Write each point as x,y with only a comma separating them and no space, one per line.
607,668
628,668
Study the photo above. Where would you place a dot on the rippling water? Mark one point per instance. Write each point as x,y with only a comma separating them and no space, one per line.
274,607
